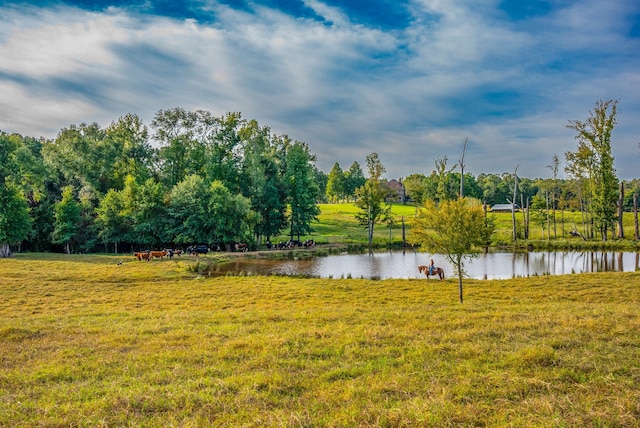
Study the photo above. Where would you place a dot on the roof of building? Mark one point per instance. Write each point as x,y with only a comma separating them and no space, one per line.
503,207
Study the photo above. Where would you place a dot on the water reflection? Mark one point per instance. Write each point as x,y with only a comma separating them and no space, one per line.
398,264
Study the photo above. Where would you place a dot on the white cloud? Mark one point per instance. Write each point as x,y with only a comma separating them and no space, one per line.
459,70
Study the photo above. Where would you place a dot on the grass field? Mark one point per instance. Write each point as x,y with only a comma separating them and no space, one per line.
85,341
337,225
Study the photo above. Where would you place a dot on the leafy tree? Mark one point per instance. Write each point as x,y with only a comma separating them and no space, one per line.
321,180
470,185
145,205
416,186
223,151
112,224
594,159
457,228
262,182
270,203
190,219
231,218
130,138
444,190
15,223
335,184
84,157
302,190
371,197
353,180
38,185
174,145
67,219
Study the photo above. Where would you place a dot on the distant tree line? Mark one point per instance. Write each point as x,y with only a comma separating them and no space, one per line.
191,177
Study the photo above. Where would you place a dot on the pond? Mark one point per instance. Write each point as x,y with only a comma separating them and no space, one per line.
403,264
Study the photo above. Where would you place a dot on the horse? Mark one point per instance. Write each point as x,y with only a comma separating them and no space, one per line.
436,271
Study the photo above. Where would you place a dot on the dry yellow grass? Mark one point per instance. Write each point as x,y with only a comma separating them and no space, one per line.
85,341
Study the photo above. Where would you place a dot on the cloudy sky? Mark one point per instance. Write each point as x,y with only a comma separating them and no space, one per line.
407,79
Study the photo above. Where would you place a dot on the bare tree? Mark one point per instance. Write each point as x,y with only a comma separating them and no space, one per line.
464,149
513,202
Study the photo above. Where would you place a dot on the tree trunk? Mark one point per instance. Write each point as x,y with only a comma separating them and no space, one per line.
546,195
635,215
5,251
621,211
458,264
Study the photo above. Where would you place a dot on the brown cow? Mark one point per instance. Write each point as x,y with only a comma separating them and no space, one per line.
143,255
158,254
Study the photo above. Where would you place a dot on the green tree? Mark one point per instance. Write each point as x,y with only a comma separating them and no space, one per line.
261,181
416,186
302,190
456,228
112,223
84,157
231,217
335,184
15,223
594,155
189,217
353,180
39,187
181,136
444,190
67,219
129,137
145,204
321,181
371,197
223,151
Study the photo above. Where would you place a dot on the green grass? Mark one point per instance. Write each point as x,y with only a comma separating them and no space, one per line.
337,225
85,341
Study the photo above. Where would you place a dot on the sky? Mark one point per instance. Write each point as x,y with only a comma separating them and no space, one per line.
407,79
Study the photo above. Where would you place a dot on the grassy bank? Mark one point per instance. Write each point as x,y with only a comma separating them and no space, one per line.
337,225
85,341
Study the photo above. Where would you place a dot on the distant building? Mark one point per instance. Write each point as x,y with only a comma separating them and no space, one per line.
504,208
397,191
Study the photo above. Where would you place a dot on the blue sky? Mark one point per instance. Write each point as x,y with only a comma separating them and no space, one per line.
407,79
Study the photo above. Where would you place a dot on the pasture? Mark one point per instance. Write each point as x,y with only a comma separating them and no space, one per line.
337,225
110,341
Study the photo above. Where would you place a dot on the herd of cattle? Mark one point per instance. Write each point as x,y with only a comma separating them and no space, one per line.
291,244
196,250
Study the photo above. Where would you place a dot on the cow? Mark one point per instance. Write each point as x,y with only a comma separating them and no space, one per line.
196,250
242,247
141,255
158,254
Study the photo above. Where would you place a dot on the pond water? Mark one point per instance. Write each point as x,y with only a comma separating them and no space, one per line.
403,264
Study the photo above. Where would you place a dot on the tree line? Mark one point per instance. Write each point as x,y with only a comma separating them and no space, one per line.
192,177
